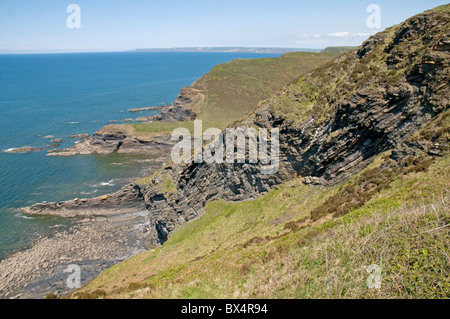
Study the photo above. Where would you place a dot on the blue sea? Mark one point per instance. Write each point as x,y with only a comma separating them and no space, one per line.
66,94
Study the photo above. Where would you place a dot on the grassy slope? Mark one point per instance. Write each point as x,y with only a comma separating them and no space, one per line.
234,89
339,50
266,248
147,130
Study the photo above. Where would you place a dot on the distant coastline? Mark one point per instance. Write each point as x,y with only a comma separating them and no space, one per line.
231,50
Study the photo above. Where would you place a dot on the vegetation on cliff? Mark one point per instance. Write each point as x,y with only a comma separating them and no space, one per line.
233,90
339,50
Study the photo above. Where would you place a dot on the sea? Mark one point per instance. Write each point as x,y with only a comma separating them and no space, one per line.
58,95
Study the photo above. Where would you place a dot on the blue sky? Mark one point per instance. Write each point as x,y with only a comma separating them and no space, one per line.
112,25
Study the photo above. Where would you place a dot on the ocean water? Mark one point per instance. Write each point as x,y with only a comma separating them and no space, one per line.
66,94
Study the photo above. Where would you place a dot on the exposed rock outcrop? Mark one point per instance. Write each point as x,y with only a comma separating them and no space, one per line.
80,135
149,108
94,244
127,200
112,139
186,107
29,149
23,149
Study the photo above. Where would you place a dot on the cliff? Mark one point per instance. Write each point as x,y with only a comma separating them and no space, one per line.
186,107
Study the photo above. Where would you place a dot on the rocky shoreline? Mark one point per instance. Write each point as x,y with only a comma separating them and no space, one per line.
103,231
121,138
148,108
94,243
127,200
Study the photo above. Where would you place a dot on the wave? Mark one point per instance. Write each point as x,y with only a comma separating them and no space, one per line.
110,184
89,193
23,216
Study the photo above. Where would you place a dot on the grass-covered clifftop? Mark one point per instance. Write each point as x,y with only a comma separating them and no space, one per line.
233,90
397,61
339,50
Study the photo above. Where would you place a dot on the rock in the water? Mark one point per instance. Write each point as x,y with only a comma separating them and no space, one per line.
150,108
128,199
81,135
120,139
23,149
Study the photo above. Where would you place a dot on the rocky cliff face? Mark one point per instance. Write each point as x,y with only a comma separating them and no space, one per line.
186,107
332,122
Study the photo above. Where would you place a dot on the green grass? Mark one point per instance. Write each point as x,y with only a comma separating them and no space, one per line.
160,128
339,50
234,89
147,130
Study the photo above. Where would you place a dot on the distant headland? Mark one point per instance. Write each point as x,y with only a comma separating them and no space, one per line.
232,50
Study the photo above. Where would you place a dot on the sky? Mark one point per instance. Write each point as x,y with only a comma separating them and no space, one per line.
30,26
